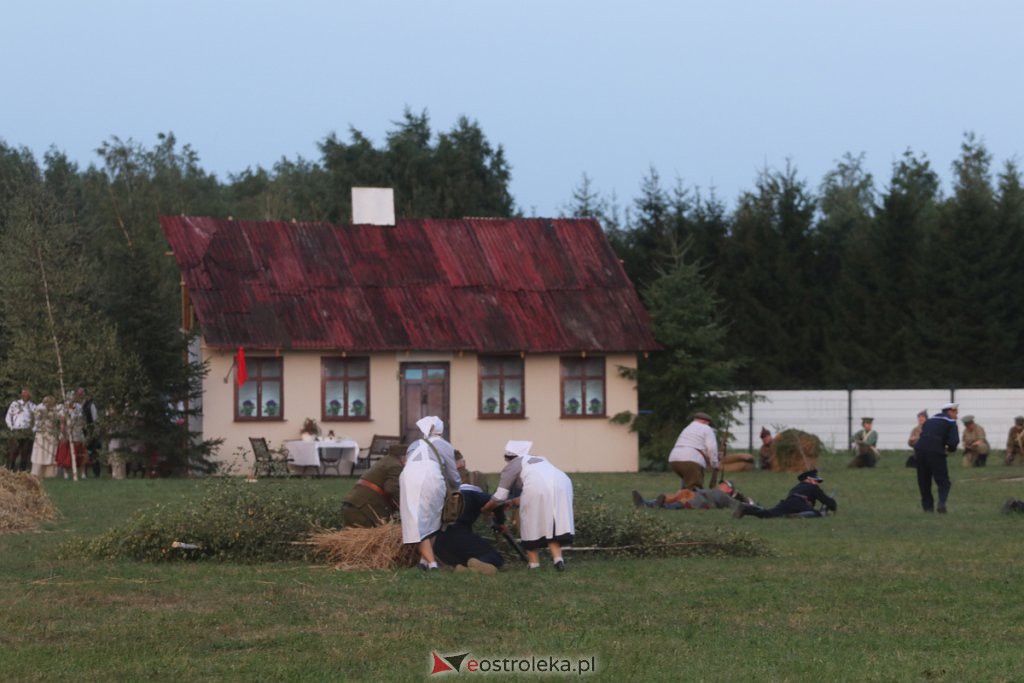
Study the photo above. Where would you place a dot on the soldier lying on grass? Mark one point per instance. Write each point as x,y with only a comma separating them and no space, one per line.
798,503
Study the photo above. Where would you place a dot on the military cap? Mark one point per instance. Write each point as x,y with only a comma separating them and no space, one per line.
867,419
968,419
810,474
703,416
1019,419
923,413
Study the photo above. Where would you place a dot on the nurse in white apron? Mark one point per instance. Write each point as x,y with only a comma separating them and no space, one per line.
428,474
545,505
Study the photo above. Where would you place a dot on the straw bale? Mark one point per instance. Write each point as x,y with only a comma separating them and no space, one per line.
357,548
795,451
23,503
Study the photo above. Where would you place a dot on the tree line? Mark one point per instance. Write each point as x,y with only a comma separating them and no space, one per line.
847,283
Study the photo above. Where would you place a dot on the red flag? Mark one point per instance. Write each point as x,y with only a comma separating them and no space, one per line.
240,373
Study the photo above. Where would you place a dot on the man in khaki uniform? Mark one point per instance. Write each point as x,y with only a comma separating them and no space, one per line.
1015,442
976,446
915,434
374,498
865,445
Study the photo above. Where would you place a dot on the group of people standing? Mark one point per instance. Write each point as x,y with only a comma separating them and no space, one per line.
45,436
418,483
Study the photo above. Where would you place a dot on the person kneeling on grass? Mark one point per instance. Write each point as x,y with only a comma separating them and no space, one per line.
799,502
724,495
545,506
459,547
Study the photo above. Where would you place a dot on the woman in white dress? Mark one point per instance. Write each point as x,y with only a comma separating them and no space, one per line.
429,473
44,445
545,504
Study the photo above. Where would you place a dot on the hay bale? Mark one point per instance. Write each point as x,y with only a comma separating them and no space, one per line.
795,451
23,503
357,548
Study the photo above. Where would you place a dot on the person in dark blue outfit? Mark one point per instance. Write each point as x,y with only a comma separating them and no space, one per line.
459,545
799,502
939,436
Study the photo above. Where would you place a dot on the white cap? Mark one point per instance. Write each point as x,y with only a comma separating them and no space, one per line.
518,447
951,406
429,424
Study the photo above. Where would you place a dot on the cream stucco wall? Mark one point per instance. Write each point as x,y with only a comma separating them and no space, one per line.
574,445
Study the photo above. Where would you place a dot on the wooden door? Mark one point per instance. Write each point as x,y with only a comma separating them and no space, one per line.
424,391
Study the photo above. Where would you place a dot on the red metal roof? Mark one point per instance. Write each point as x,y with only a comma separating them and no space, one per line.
485,285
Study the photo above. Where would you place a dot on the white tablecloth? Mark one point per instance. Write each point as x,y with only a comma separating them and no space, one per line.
307,453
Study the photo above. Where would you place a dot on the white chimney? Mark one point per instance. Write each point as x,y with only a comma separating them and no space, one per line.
373,206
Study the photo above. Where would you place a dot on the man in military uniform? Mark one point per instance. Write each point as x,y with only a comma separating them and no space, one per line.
765,454
374,498
865,444
915,434
1015,442
976,446
799,502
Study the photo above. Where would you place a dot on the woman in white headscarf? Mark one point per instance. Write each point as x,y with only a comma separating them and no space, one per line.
545,505
429,473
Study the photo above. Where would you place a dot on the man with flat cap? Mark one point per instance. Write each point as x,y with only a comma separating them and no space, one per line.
696,450
799,502
939,436
1015,442
976,446
865,444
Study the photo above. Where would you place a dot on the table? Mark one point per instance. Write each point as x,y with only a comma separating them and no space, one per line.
310,453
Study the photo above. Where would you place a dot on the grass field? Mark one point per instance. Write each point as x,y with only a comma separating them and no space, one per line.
880,591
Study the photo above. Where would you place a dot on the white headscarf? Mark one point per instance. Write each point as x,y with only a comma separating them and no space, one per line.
518,447
430,423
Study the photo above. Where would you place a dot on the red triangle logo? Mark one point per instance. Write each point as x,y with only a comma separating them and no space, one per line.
440,665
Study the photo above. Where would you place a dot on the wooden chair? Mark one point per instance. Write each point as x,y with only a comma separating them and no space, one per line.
378,448
265,460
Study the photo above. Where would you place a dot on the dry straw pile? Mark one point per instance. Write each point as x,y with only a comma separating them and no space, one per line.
796,451
23,503
356,548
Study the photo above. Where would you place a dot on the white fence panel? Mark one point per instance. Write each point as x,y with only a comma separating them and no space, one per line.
827,413
895,411
993,409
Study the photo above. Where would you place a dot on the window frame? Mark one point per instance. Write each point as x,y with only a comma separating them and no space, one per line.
501,377
325,378
254,369
582,378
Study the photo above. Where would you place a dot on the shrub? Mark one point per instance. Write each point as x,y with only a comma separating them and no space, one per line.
234,521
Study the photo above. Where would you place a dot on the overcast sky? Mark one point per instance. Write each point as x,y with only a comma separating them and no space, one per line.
707,92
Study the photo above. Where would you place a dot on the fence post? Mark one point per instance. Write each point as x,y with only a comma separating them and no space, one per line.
952,393
750,418
849,414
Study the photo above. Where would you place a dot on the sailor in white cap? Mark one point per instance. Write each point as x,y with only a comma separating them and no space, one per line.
429,473
939,436
545,515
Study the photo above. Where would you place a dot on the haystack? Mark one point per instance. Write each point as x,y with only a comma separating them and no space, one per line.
795,451
356,548
23,503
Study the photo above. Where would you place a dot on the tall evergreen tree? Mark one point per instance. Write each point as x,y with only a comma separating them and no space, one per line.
774,299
